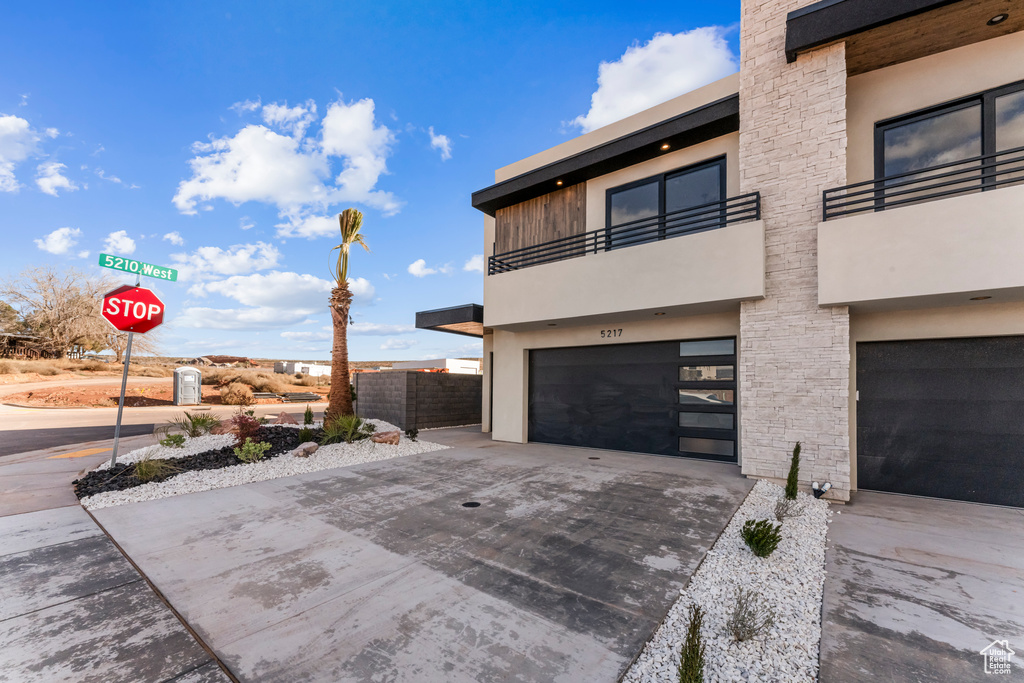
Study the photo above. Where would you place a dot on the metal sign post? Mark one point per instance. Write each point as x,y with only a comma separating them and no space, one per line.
124,385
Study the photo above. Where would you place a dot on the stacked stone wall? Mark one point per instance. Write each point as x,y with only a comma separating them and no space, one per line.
794,356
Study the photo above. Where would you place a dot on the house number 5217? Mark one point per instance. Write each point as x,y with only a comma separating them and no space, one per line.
608,334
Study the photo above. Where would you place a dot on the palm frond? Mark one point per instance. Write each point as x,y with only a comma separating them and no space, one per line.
350,221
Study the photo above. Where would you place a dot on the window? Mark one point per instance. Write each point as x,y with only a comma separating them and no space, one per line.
982,124
706,399
682,201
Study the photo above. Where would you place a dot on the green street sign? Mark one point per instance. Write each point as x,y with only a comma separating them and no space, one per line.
138,267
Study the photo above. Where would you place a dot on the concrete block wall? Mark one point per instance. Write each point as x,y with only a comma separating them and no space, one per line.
420,400
794,356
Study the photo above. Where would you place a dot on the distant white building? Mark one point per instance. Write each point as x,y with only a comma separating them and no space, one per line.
456,366
308,369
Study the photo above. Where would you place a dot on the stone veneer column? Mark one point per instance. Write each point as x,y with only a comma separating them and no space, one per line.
794,356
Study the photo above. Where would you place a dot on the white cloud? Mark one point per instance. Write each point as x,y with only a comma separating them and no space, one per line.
294,120
237,318
50,178
442,143
246,223
84,254
245,106
378,330
119,243
419,268
294,171
175,238
362,291
60,241
309,227
276,289
307,336
52,133
397,344
664,67
238,259
475,263
17,142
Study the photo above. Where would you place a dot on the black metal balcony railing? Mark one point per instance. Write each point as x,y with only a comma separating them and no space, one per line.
665,226
986,172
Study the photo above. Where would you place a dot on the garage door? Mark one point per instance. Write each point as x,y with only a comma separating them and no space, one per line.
669,398
942,418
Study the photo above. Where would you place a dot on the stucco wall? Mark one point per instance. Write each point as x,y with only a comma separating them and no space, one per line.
904,88
793,381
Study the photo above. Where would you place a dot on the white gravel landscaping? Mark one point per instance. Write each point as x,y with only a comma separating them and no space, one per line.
284,465
790,581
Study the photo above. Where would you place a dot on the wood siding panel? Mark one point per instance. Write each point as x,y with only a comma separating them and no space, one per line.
562,213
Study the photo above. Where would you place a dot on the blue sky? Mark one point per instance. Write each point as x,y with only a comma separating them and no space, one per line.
223,138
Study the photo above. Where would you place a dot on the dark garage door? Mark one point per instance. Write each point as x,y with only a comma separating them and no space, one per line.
669,398
942,418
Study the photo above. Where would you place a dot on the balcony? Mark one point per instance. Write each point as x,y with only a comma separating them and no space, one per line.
633,271
987,172
938,237
665,226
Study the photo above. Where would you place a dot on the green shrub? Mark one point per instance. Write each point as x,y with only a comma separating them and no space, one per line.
193,424
305,435
150,469
252,451
749,617
691,659
307,417
412,433
794,473
347,428
173,441
762,537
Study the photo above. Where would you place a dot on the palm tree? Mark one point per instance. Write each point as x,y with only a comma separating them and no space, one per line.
340,397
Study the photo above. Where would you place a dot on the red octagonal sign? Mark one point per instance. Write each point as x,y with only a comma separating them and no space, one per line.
133,309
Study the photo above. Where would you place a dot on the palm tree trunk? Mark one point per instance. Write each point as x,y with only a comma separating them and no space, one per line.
339,400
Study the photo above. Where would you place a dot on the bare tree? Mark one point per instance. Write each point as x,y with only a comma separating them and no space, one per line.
62,308
148,343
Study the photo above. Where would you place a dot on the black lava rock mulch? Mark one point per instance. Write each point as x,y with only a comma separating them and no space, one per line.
120,477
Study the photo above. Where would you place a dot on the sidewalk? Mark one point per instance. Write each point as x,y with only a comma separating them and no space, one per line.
71,605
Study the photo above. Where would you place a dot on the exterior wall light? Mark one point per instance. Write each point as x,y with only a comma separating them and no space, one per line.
998,19
665,146
551,324
558,182
980,298
660,313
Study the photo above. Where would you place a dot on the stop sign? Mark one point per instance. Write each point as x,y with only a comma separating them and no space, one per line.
133,309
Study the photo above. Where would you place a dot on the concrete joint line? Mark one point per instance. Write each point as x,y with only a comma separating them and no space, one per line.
64,602
163,599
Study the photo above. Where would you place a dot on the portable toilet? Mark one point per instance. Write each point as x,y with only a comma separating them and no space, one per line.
188,387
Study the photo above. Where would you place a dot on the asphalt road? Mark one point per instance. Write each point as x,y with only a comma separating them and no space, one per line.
17,441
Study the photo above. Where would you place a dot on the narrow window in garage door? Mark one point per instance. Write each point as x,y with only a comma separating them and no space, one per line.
706,386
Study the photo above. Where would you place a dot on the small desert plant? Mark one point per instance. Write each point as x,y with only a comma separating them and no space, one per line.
794,473
307,417
412,433
750,618
252,451
347,428
786,508
691,659
305,435
762,537
193,424
8,368
173,441
150,469
245,427
299,375
92,366
48,370
308,381
236,394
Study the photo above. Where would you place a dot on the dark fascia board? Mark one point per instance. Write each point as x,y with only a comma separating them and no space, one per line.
441,317
831,20
697,125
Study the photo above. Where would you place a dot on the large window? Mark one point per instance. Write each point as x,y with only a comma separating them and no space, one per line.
983,124
684,200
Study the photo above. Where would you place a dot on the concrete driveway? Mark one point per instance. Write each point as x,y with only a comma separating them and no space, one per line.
378,572
917,587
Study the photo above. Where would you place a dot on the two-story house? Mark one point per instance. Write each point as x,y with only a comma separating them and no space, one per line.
827,247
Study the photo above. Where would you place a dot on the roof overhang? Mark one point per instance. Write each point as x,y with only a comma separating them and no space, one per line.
697,125
831,20
467,320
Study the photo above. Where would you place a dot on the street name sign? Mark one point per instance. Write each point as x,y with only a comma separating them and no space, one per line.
133,309
138,267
